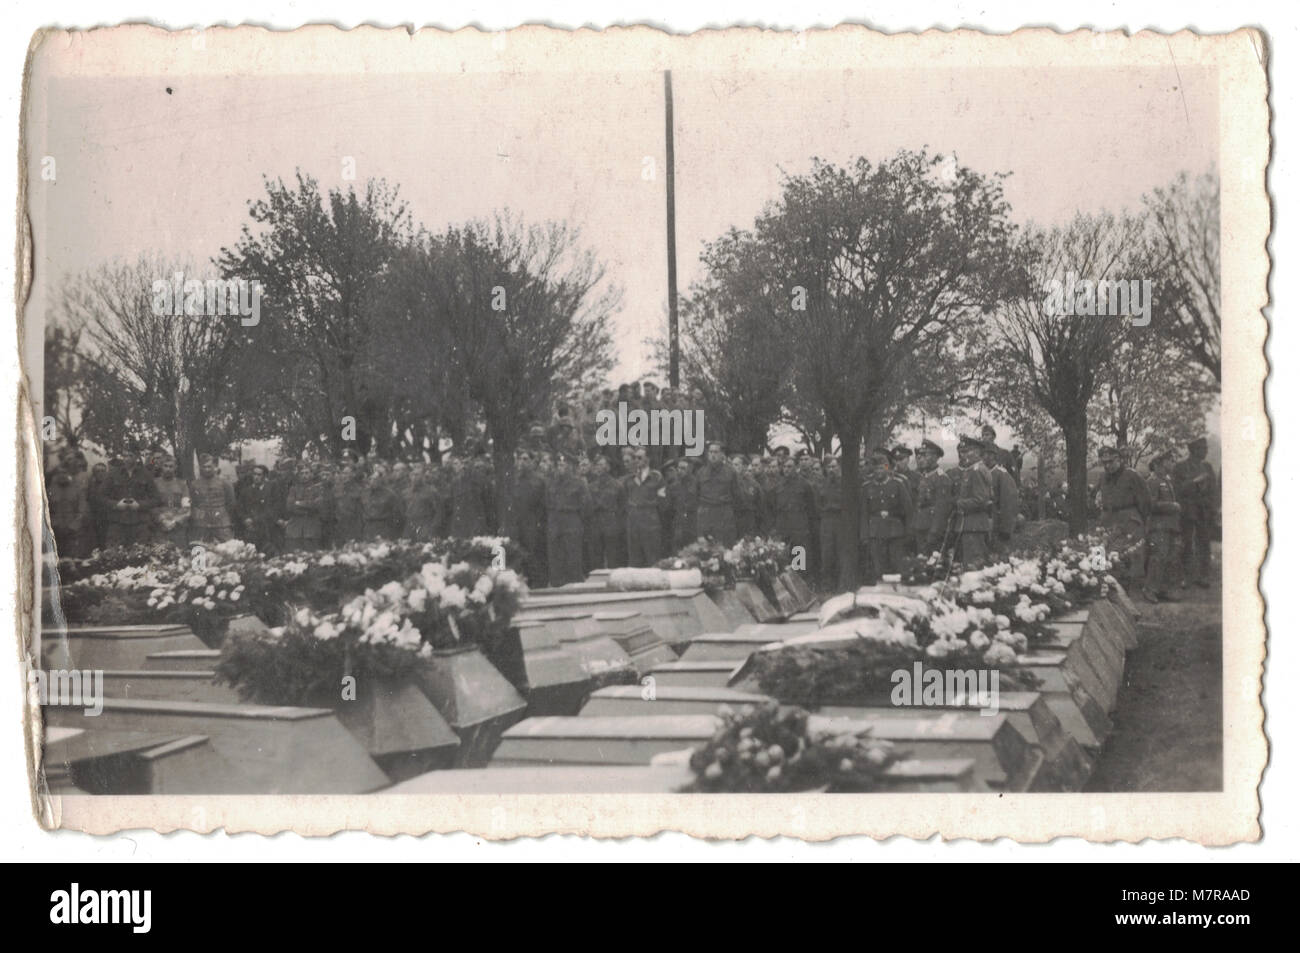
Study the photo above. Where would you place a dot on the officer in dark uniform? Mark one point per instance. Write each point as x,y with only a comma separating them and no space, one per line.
886,514
934,493
1198,495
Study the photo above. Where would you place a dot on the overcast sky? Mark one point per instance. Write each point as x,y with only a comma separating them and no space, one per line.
141,169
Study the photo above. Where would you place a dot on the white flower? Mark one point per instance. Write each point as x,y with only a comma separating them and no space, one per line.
327,560
999,654
453,597
979,641
326,630
302,617
417,598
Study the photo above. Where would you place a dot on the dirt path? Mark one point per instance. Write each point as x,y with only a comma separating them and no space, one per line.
1168,726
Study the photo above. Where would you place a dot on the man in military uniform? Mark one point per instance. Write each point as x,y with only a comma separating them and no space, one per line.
1125,506
304,506
1006,499
1163,528
717,497
212,501
567,506
470,499
68,512
830,503
934,493
751,498
886,513
130,496
173,513
381,508
646,496
901,460
608,518
794,508
1198,495
972,502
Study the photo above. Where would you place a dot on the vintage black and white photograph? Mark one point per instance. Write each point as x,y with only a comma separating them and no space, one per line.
501,420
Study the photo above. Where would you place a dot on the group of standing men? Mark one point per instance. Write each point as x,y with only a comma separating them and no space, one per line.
1168,518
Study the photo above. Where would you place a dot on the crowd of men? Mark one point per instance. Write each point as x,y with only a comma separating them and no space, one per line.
573,506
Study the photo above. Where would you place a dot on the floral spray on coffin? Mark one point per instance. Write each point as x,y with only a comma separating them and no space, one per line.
317,661
463,616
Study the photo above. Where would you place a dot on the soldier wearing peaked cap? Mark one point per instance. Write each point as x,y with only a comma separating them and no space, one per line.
900,457
972,502
886,514
1006,499
933,499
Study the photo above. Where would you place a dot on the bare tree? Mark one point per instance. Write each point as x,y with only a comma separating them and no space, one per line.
1063,355
1184,243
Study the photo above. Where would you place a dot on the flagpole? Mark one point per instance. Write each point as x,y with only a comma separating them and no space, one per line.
674,348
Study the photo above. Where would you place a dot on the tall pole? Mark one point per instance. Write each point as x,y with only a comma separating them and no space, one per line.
674,347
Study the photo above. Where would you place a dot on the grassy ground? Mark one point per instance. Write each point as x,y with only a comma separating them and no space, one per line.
1168,726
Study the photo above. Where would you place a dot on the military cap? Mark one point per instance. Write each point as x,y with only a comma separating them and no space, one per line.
970,443
1160,457
1107,453
901,452
882,451
781,452
567,456
207,458
1198,442
930,446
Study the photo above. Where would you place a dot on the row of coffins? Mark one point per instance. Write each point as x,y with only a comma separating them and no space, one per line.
165,724
611,691
1041,740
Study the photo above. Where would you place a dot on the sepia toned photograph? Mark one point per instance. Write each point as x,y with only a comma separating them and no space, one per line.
435,426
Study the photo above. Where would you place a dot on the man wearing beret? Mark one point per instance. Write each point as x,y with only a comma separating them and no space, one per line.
1198,495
